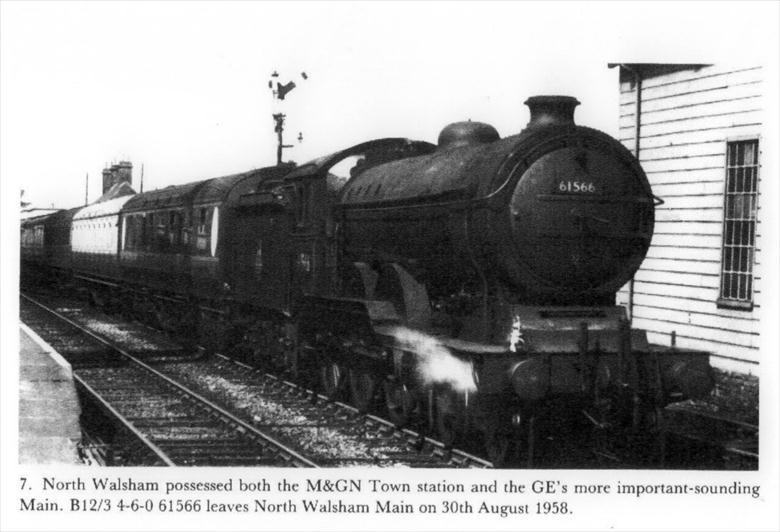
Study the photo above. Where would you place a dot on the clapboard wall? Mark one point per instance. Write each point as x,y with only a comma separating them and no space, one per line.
687,116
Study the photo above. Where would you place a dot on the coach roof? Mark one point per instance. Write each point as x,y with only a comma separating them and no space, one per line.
103,208
213,190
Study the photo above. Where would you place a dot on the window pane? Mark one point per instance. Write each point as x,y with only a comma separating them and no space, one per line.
750,153
739,220
745,233
743,259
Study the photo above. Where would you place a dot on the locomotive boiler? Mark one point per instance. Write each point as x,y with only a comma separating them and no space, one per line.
466,286
559,214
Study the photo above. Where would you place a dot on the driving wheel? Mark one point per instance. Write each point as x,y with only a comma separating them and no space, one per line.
400,402
331,379
450,415
362,386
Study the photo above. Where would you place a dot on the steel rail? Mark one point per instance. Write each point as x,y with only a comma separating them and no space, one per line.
714,417
125,422
411,435
246,428
414,438
727,446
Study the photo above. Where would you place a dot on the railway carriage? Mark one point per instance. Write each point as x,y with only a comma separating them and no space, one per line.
56,239
31,239
157,235
176,252
45,243
95,239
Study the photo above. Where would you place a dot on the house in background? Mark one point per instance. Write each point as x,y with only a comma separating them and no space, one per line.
697,132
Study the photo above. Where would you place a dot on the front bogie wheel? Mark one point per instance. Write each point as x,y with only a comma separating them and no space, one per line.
399,402
450,417
362,387
331,379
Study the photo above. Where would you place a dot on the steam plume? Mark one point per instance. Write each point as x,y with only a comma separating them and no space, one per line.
435,363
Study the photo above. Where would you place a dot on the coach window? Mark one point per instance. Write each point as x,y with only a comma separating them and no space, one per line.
203,237
149,232
171,233
127,233
142,233
160,233
135,230
137,226
186,230
739,224
127,241
174,231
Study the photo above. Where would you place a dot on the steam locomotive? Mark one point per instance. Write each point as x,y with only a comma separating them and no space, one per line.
468,286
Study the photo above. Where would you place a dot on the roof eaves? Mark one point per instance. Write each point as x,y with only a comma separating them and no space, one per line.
657,69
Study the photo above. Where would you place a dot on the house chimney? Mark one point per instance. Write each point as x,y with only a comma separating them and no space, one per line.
551,110
118,173
124,172
107,180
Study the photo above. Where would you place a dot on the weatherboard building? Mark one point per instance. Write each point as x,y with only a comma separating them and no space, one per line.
697,131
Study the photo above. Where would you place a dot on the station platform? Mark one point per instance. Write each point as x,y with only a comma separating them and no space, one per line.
49,430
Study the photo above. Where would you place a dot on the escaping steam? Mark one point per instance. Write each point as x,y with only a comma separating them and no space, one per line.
435,363
515,335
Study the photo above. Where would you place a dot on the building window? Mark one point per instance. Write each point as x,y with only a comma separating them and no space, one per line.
739,224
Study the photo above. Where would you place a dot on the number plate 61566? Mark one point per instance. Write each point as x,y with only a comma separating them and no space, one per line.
586,187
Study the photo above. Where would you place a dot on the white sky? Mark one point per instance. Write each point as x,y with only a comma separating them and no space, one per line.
181,87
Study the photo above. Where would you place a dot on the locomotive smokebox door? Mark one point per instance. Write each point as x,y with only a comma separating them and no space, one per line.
581,219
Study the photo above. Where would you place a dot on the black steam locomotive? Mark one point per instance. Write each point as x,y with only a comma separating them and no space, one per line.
468,285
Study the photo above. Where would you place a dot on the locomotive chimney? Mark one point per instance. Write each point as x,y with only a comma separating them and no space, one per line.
551,110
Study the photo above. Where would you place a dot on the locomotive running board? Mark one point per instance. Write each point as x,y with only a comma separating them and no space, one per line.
345,317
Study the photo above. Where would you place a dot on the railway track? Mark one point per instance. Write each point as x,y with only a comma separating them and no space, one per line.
334,434
216,411
327,433
168,424
719,442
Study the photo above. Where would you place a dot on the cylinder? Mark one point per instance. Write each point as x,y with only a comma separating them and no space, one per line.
690,378
530,379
